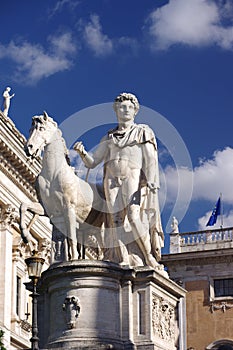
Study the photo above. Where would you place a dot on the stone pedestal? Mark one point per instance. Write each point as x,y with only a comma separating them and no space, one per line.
91,305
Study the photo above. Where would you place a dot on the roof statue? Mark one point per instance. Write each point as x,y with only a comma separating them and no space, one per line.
7,98
175,225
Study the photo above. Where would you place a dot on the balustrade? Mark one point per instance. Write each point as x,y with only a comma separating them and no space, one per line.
205,239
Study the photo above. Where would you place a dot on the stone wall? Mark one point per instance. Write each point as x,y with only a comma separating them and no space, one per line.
208,318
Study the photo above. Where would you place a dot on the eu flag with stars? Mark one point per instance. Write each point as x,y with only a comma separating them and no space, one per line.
215,213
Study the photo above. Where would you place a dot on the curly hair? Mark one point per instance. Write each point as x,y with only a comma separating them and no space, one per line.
125,96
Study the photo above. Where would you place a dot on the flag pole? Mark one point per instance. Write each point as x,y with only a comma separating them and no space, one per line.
221,210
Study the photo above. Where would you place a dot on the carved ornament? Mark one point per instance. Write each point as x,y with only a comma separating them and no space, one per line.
163,318
223,305
8,214
71,308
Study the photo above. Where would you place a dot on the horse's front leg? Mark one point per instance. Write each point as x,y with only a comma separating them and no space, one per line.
37,210
70,220
81,244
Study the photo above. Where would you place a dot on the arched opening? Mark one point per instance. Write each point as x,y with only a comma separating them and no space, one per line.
222,344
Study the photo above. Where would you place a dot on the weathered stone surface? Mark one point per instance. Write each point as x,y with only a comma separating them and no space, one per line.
110,307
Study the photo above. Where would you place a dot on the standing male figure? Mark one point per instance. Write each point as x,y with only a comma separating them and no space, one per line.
7,98
131,180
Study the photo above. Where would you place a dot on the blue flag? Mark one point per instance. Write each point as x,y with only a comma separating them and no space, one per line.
215,213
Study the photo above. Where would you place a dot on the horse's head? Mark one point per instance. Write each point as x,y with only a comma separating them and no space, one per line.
42,132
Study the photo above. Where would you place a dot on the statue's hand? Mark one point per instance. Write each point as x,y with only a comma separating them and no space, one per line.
152,186
78,147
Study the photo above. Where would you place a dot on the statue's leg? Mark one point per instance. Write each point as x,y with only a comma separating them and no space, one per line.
70,220
115,209
132,198
141,236
100,238
6,107
81,244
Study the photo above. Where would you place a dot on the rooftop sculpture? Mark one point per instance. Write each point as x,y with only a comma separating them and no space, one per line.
7,98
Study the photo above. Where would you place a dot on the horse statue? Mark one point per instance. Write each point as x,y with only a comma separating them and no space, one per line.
64,197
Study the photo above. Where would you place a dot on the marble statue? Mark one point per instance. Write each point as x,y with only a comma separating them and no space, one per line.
7,98
175,225
63,197
131,183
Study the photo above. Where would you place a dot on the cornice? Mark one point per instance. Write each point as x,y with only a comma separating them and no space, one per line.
15,176
11,126
13,161
205,257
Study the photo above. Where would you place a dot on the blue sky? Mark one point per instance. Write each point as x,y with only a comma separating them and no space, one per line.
176,56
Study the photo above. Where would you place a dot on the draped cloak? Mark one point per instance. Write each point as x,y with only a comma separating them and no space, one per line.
149,204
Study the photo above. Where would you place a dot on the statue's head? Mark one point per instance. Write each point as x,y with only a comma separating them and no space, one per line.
8,88
125,96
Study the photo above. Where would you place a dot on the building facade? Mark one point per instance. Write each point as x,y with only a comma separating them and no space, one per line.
17,176
202,263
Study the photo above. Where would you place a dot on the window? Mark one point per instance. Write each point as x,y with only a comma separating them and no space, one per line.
18,294
223,287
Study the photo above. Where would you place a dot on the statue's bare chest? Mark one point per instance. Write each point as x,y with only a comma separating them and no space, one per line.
121,160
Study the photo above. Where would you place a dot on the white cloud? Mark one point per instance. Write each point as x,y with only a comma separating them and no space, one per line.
59,6
33,62
95,39
226,9
100,44
191,22
131,43
176,180
215,176
62,45
210,178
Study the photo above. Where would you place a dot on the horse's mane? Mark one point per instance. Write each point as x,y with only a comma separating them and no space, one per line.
41,119
44,121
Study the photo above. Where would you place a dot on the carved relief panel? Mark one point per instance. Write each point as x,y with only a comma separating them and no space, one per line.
163,318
